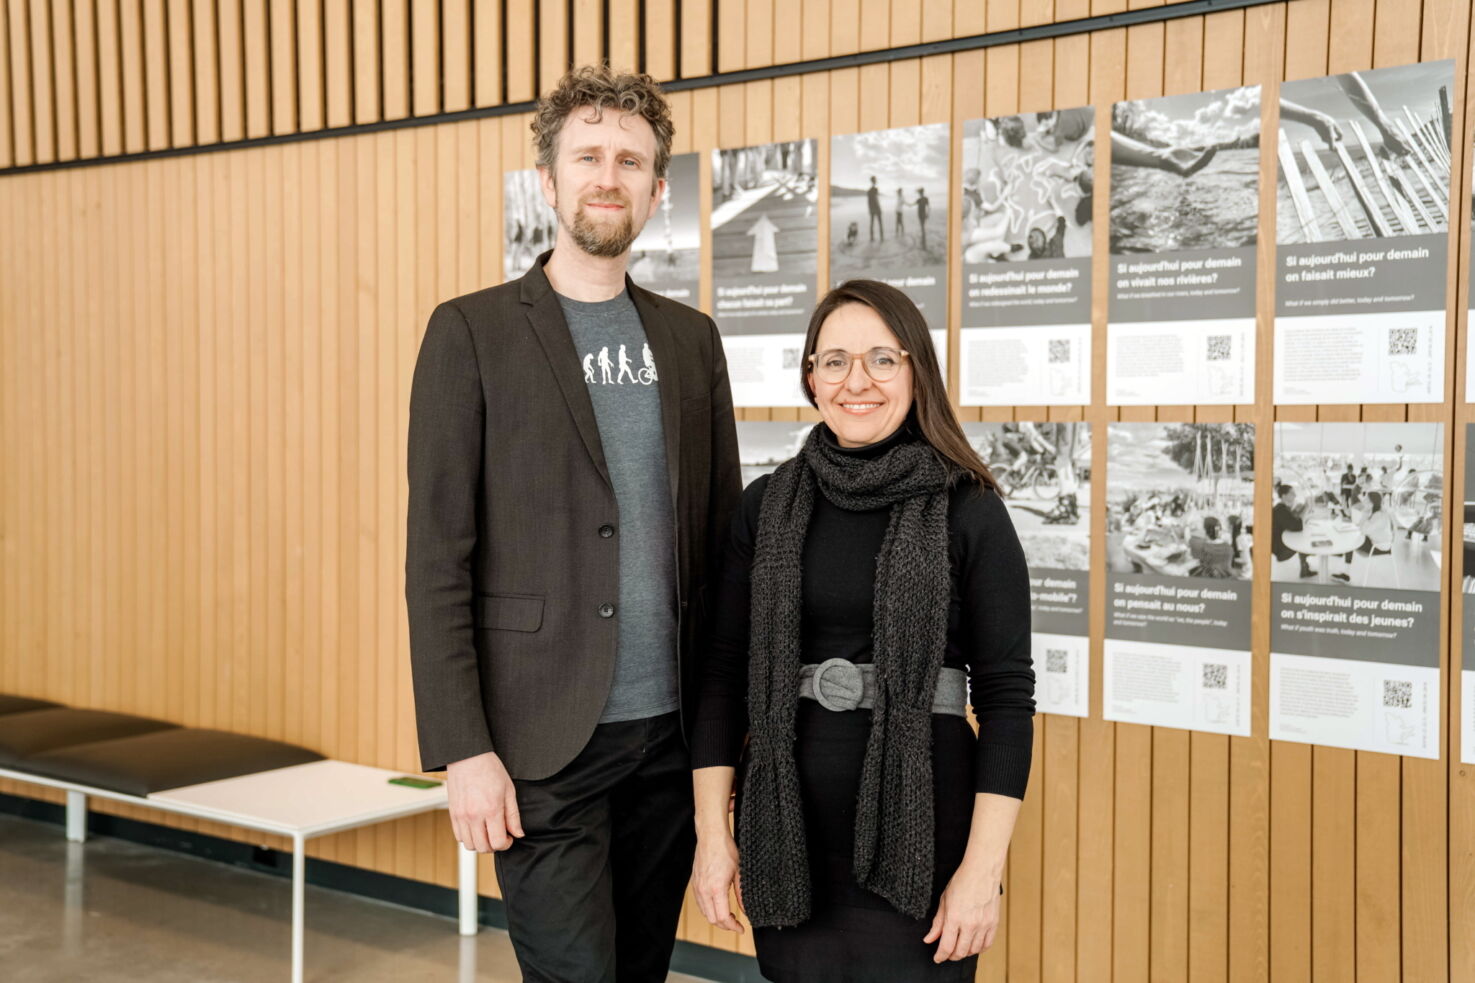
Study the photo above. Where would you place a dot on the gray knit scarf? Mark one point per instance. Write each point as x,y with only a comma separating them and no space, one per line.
893,822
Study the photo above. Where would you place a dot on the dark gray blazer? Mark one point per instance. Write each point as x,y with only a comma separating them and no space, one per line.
511,561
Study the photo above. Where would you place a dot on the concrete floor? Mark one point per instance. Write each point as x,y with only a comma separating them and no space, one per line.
119,911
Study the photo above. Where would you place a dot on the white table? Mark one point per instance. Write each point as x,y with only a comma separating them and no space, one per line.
1340,540
301,802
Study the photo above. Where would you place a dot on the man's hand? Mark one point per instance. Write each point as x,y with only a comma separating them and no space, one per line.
483,803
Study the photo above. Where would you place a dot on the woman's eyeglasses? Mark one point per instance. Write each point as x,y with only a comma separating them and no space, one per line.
880,364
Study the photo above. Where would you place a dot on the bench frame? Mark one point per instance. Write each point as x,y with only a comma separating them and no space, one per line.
76,828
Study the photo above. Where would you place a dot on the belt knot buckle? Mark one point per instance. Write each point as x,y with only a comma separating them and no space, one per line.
838,684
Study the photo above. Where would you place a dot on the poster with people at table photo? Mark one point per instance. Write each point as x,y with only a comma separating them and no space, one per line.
1044,475
1356,544
1026,212
765,265
1180,543
1185,216
666,258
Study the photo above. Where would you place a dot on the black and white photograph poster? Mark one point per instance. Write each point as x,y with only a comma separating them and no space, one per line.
529,224
765,444
1362,226
1044,475
1467,629
1028,189
889,216
667,257
1355,541
765,265
1185,204
1179,541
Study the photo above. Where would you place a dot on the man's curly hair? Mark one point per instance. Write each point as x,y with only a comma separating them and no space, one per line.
601,88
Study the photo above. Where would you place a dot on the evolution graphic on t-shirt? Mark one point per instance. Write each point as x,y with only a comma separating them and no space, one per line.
615,371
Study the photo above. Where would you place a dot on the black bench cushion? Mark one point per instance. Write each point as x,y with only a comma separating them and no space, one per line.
20,704
24,735
167,759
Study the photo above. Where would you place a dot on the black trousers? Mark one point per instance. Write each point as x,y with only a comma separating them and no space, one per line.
594,890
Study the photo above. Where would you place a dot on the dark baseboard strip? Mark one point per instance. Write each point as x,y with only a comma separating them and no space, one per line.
690,958
976,42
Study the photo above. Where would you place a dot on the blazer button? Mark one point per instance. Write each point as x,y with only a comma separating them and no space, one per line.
606,610
606,531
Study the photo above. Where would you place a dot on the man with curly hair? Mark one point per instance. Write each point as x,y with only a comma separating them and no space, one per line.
563,530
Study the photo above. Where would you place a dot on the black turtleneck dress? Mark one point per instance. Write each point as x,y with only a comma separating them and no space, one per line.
854,936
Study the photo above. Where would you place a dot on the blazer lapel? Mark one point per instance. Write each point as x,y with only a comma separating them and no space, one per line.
546,317
662,340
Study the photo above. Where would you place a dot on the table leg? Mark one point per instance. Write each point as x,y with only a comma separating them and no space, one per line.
299,871
466,884
77,816
1325,577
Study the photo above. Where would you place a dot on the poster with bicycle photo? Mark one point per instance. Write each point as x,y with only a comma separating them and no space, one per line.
1356,552
1362,223
1044,475
1185,215
1026,204
889,216
1180,539
765,265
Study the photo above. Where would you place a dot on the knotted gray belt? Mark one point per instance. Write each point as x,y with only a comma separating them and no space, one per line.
837,684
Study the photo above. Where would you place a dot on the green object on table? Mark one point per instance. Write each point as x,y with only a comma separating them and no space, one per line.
409,781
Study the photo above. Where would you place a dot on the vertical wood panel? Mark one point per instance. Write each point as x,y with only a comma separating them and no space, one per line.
311,70
64,52
256,55
522,65
656,38
456,39
394,64
487,51
587,28
553,42
21,114
282,55
368,96
43,88
425,38
206,90
232,71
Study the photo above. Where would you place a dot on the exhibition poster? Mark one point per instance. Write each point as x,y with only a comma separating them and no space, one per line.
529,224
1355,564
765,263
667,256
889,216
1362,223
1044,476
1185,202
1467,629
765,444
1179,541
1028,183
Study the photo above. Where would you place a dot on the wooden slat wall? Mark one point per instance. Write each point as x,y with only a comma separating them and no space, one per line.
205,365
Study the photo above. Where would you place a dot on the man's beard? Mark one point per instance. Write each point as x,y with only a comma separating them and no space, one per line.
605,240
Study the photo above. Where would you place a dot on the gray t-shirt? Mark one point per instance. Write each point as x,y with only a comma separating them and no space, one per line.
621,374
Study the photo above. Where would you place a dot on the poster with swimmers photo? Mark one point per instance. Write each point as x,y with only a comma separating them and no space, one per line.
1356,551
1180,539
529,225
667,257
1362,226
765,265
1467,628
1026,203
1185,212
889,216
1044,475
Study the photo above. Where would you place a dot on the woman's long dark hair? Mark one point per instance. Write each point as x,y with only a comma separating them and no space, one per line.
931,414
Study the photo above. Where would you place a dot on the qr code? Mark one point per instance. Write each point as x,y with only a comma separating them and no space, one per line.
791,358
1216,675
1057,660
1403,341
1220,345
1398,694
1059,350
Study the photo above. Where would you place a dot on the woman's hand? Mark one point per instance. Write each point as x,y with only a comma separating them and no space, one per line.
967,916
713,873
